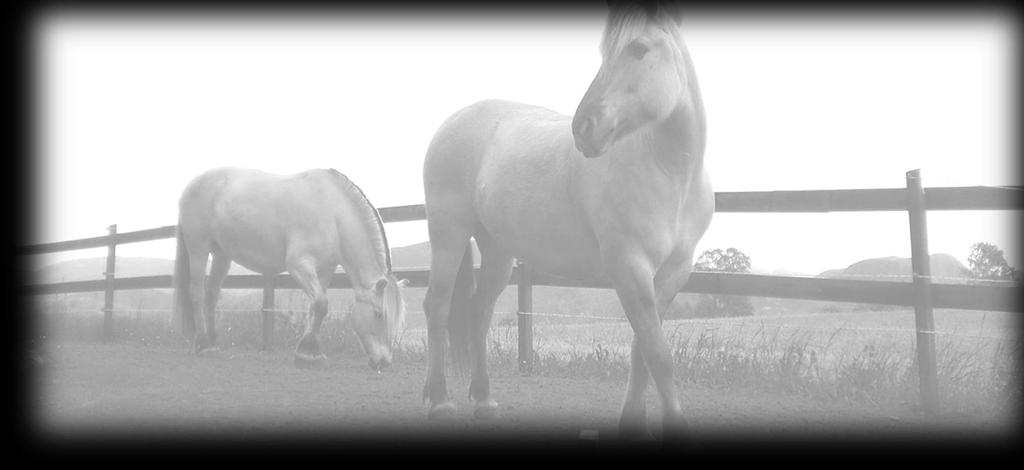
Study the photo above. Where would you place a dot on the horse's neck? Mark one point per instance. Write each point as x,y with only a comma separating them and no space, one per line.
360,238
362,275
675,146
677,143
361,264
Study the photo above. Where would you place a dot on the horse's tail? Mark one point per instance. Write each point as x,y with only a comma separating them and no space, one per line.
460,318
182,297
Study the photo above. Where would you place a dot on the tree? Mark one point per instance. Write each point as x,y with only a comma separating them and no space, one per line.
987,262
729,260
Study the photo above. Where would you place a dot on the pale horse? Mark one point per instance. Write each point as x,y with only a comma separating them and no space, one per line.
306,223
617,193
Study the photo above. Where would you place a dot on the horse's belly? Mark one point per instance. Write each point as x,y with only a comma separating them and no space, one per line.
255,250
554,255
540,227
247,231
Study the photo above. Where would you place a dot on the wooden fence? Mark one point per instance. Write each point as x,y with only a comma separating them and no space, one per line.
922,293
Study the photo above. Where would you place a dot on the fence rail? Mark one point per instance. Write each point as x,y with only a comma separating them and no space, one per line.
829,200
921,294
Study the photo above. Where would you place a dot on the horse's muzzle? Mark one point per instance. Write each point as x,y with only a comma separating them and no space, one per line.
380,365
589,137
590,150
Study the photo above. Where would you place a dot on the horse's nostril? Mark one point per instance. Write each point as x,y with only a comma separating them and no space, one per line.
582,126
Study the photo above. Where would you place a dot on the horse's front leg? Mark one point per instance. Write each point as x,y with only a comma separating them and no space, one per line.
307,352
633,421
632,275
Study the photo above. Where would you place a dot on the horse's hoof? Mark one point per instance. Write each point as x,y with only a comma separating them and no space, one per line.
442,411
682,444
636,435
676,436
486,410
633,425
304,361
207,351
685,446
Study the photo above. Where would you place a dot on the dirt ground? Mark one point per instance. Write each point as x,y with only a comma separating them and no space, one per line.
126,388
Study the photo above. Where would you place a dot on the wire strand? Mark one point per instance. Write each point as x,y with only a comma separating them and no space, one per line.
672,321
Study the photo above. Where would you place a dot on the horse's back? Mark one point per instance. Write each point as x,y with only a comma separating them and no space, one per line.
247,186
253,216
460,144
229,189
508,167
222,182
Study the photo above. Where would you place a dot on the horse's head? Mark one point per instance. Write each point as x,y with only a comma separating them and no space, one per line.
377,315
641,80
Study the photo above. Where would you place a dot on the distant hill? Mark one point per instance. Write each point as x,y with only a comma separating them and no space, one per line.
942,265
418,255
93,268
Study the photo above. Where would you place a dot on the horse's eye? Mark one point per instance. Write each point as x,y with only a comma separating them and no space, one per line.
637,49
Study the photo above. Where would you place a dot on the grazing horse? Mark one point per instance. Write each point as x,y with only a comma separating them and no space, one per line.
307,223
618,193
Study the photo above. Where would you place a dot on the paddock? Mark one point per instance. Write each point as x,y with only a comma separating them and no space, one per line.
132,384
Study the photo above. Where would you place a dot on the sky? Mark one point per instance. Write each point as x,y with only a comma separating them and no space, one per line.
130,108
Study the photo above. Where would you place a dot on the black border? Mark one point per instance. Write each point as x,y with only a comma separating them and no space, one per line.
373,449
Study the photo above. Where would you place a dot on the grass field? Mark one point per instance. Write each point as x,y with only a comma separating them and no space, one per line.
836,351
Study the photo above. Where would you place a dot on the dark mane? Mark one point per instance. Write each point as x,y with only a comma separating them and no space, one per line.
380,222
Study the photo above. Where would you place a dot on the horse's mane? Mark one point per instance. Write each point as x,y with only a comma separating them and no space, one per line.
370,212
628,20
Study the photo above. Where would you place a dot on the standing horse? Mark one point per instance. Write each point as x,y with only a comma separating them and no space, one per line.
618,193
307,223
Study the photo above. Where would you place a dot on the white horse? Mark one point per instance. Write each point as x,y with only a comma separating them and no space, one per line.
617,193
307,223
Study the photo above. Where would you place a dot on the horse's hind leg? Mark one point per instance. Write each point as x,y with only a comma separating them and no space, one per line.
307,352
447,247
198,257
218,271
495,269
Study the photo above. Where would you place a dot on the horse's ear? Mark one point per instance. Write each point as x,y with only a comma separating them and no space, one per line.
651,7
669,8
402,282
638,48
381,284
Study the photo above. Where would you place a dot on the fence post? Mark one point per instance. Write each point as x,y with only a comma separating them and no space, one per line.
920,260
524,320
268,312
108,294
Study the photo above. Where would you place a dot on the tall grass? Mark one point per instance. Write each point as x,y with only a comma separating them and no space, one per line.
976,374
